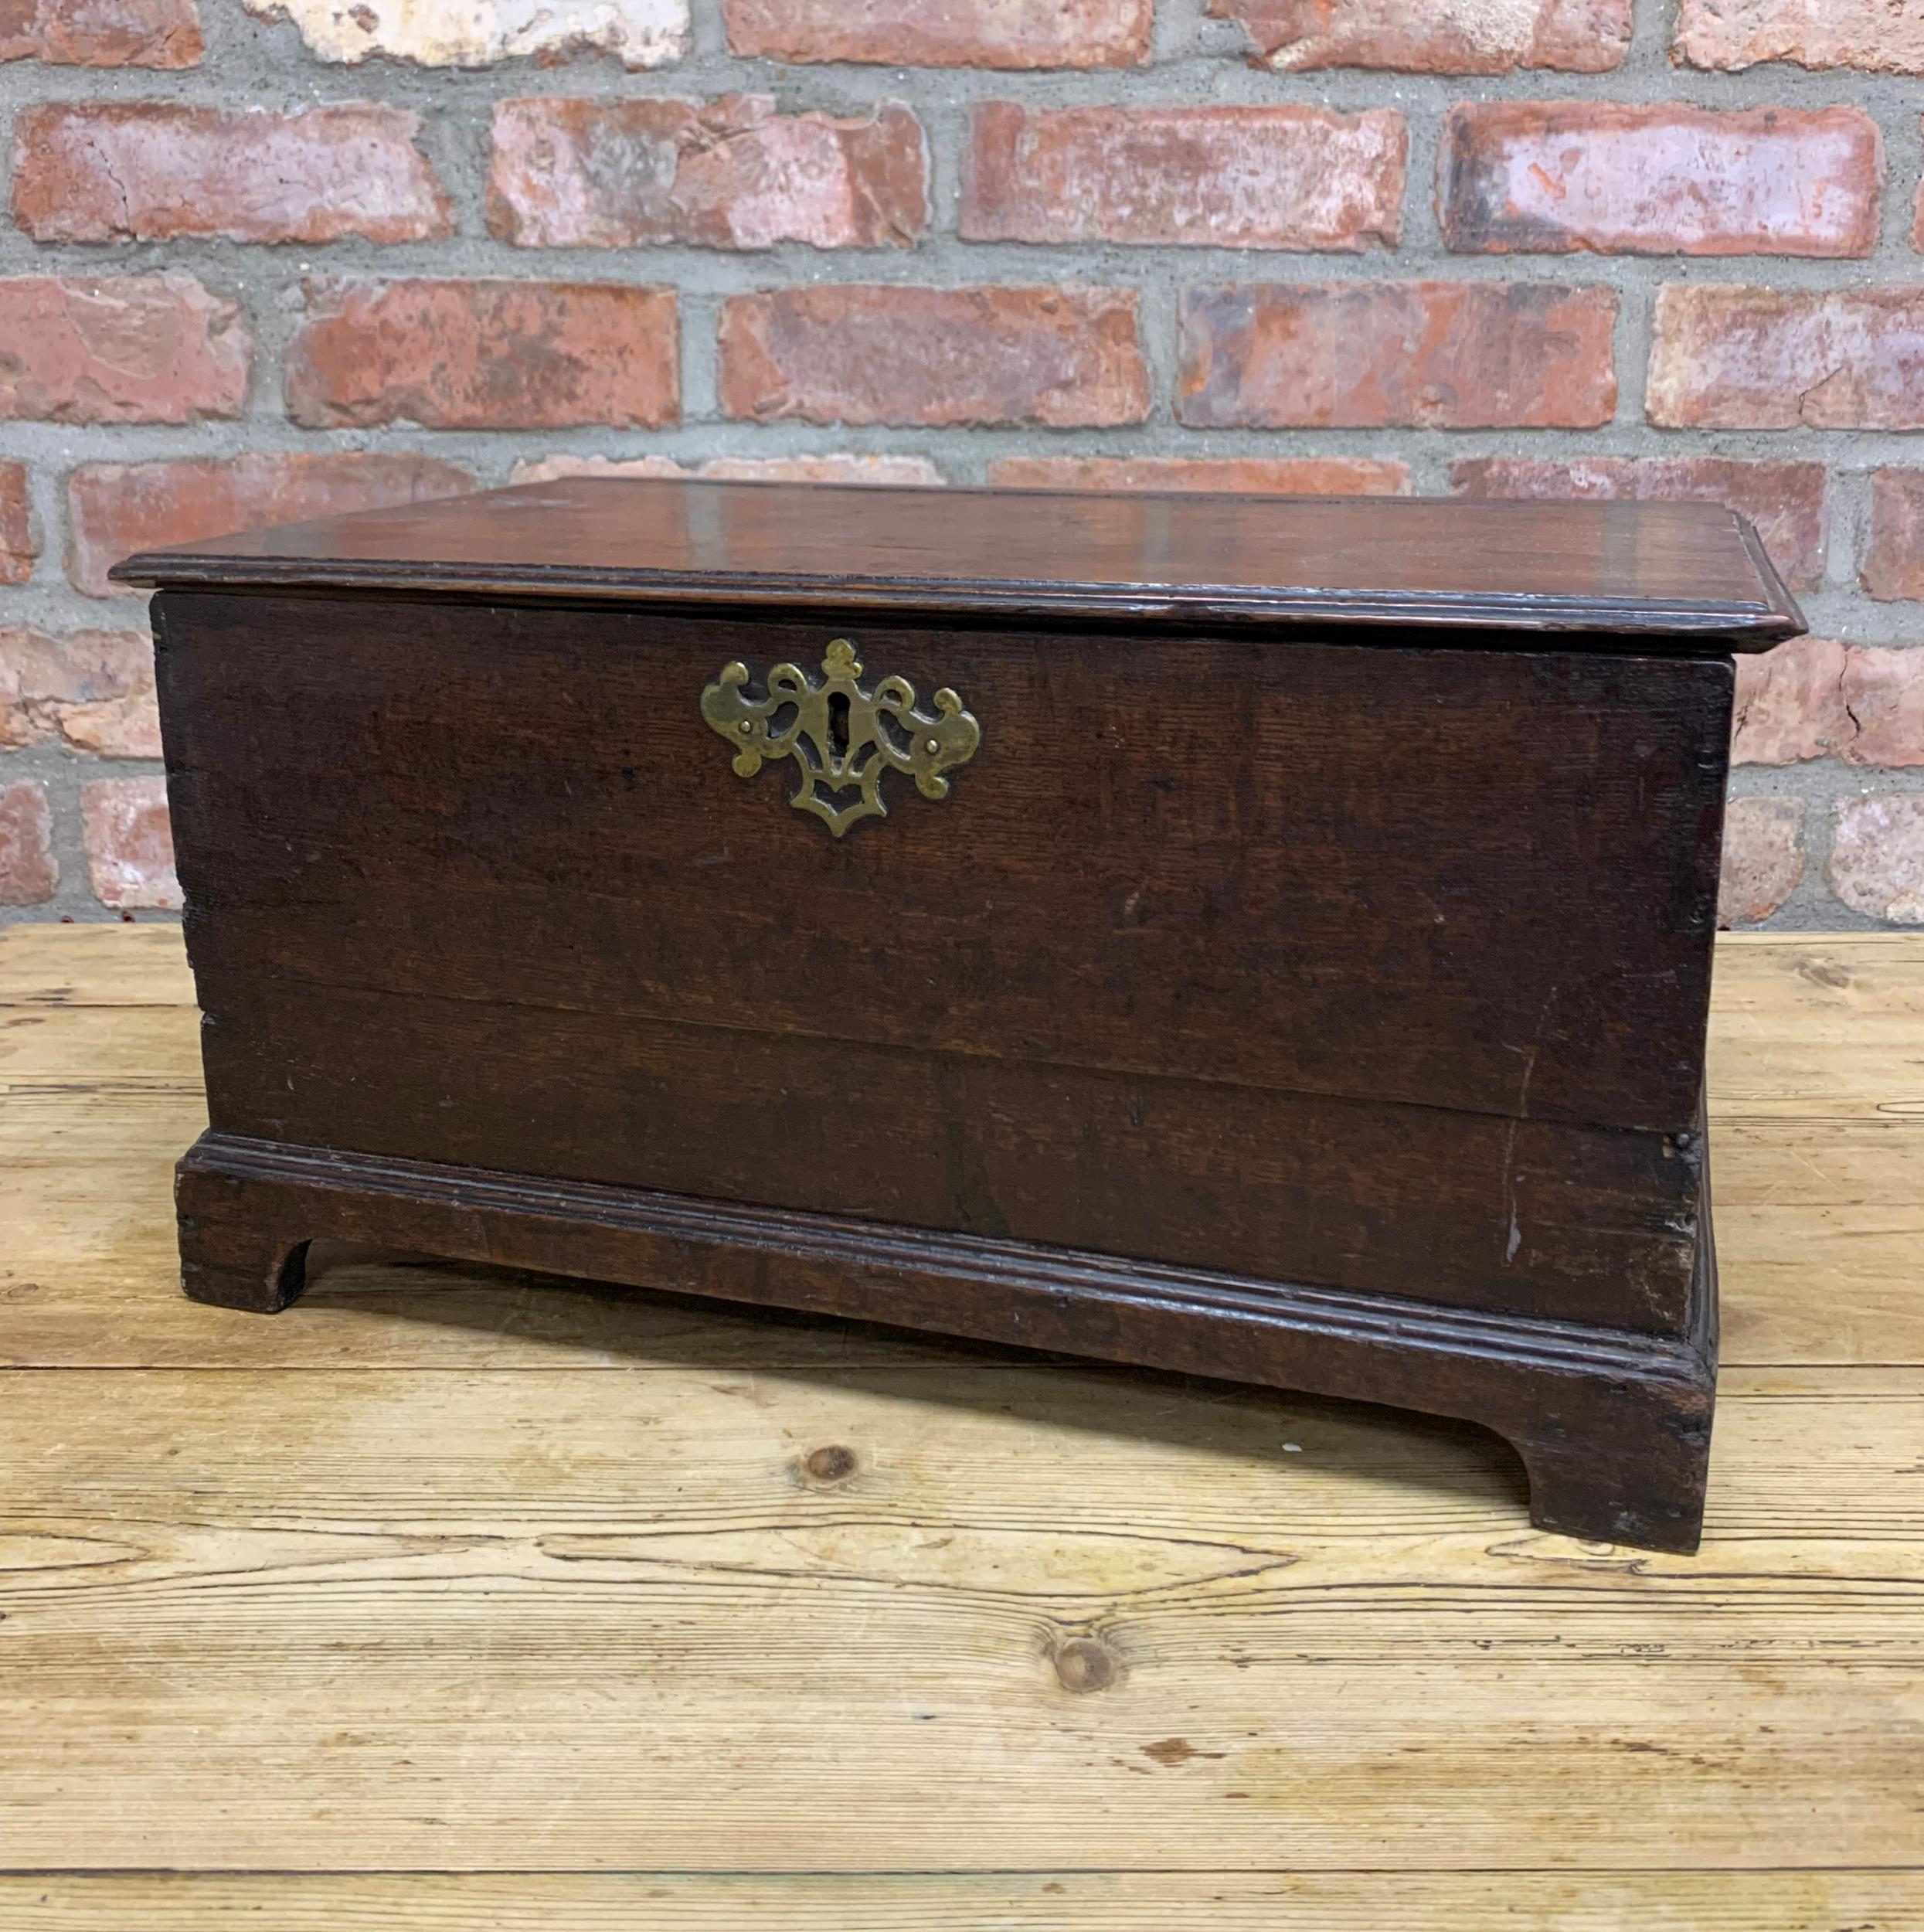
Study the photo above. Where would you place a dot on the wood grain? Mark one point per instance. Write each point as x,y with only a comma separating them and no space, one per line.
494,939
1690,574
1059,1901
1819,1028
1818,1228
1526,1218
480,921
288,1620
61,965
1159,864
846,1625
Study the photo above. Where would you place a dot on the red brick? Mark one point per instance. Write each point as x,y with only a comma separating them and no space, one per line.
1552,177
914,472
469,33
19,544
1813,697
1384,355
1732,358
119,348
1434,36
485,355
576,172
1883,696
909,471
550,469
1068,357
101,33
29,873
151,171
1877,856
1894,558
1237,475
1883,36
130,844
1790,704
1785,501
93,690
1763,858
945,33
116,508
1286,177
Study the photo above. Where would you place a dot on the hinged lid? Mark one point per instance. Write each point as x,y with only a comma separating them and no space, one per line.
1675,576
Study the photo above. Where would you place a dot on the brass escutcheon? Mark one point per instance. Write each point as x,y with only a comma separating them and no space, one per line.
843,738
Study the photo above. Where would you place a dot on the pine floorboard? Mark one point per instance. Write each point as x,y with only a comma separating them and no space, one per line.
458,1599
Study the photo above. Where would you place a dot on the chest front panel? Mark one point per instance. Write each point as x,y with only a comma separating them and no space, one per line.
1322,961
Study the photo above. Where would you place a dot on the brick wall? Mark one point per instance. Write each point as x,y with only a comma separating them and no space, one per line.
268,258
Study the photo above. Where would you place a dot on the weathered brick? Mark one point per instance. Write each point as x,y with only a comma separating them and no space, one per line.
119,348
101,33
1236,475
485,354
570,171
1894,558
1434,36
1813,697
551,469
1724,357
1883,697
116,508
19,543
945,33
1763,858
457,33
1552,177
29,873
1877,856
1284,177
1790,704
1883,36
130,844
914,471
93,690
1785,500
154,170
1068,357
1383,355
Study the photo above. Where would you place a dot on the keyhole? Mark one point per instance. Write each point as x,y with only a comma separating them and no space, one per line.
838,726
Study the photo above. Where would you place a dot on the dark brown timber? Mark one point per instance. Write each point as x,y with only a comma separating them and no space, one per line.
1288,988
1685,576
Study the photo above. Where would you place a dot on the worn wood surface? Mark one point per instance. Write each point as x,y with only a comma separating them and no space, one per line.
1037,1012
467,804
498,960
475,902
656,1613
1062,1901
1685,576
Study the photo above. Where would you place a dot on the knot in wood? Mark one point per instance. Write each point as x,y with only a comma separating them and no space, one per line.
831,1463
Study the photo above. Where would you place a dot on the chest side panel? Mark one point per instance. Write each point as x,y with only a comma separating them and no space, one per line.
1334,963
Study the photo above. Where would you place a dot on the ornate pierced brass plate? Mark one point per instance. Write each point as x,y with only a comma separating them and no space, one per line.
844,738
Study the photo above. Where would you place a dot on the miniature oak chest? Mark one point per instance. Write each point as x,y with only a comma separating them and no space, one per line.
1265,938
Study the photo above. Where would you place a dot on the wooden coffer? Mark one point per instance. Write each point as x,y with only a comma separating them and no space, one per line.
1263,938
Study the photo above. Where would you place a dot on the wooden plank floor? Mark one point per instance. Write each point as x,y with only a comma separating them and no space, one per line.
453,1599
